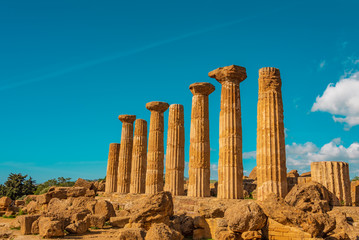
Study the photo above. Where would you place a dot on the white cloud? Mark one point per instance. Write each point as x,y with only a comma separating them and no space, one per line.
249,155
300,156
214,171
341,100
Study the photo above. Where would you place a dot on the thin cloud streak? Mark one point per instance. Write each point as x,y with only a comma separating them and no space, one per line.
130,52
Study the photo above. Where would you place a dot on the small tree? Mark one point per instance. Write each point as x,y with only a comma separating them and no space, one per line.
355,178
17,186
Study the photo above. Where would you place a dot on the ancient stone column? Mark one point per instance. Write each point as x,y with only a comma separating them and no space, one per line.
112,168
139,158
335,177
271,160
230,166
174,178
155,154
199,152
125,156
355,192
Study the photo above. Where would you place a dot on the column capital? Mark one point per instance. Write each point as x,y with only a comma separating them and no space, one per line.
157,106
201,88
233,73
127,118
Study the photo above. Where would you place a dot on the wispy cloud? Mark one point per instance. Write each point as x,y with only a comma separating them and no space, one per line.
322,64
119,55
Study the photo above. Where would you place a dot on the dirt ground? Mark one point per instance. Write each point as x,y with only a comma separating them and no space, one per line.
5,224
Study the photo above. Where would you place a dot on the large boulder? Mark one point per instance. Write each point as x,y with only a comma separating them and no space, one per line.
5,203
66,192
71,210
131,234
85,184
252,235
251,217
253,174
318,224
293,174
183,224
105,208
32,207
49,227
157,208
119,222
163,232
345,229
78,227
26,222
96,221
100,186
309,197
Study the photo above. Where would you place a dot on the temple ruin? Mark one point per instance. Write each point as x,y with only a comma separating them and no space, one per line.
137,167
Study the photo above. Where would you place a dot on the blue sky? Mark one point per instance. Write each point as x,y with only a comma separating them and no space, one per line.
69,68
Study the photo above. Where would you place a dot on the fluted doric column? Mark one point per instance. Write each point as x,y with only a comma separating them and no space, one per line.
199,152
112,168
271,159
139,158
174,178
335,177
125,156
230,166
155,154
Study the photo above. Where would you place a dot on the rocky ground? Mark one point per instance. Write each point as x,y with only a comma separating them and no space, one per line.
83,212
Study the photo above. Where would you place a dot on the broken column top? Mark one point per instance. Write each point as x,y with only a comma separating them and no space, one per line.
345,163
157,106
201,88
233,73
269,71
269,79
127,118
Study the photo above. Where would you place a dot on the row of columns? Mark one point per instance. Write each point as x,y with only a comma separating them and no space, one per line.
148,177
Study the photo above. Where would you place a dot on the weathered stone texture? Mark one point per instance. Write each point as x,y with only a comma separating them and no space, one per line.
303,180
139,158
112,168
155,154
174,179
271,159
230,166
125,156
199,153
355,193
335,177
